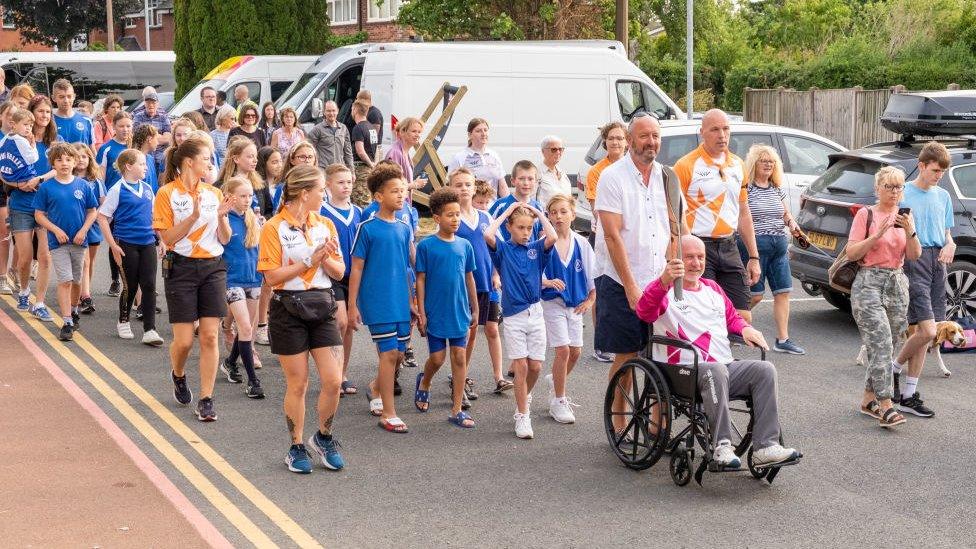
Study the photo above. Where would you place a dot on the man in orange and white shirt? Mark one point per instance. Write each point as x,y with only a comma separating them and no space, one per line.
714,186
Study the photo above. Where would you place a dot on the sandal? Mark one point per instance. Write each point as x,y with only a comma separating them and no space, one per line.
460,420
393,425
503,385
871,409
375,404
420,396
348,388
891,418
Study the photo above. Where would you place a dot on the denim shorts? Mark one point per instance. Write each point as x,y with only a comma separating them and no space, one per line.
22,222
774,264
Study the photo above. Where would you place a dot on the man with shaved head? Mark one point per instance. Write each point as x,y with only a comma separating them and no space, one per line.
704,318
332,142
715,190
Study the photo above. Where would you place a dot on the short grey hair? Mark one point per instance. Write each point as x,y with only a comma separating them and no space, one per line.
549,139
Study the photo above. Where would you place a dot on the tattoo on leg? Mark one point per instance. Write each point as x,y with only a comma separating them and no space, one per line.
291,426
327,426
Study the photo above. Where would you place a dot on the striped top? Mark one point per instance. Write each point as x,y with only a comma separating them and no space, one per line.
766,206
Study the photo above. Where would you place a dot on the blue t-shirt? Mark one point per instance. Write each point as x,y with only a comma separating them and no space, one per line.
474,234
446,265
105,157
77,128
98,189
520,268
407,214
499,206
932,211
129,206
66,206
576,273
17,158
384,246
152,176
242,262
346,222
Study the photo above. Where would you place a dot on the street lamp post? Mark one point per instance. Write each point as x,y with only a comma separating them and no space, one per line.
690,57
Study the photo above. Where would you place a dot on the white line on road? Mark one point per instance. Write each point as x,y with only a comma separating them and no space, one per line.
796,299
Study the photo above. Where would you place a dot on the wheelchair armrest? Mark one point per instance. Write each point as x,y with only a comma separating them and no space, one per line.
671,342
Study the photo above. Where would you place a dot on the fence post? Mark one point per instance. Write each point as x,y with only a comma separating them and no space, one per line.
813,110
953,86
779,104
857,95
745,103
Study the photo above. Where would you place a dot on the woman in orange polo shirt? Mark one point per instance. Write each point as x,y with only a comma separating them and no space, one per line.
191,218
299,256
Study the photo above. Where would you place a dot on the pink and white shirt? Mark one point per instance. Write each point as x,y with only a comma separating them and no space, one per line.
704,318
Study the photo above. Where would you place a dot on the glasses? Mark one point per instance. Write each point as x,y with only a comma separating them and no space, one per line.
304,157
768,161
555,150
250,115
896,188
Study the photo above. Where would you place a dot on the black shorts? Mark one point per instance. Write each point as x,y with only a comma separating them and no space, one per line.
618,329
291,335
341,289
723,264
488,311
195,289
3,199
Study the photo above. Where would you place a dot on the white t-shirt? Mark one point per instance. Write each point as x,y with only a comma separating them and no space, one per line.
646,231
485,165
551,184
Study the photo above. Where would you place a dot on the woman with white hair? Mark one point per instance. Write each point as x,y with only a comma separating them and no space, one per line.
552,180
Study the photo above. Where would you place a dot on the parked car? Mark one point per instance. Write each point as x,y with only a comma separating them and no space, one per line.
830,203
804,156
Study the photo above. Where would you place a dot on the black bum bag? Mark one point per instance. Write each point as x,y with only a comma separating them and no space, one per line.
308,305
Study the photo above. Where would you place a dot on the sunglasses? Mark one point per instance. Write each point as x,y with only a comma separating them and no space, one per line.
250,115
897,188
556,149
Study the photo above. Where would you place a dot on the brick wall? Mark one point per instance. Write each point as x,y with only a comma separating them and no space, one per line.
160,38
386,31
10,40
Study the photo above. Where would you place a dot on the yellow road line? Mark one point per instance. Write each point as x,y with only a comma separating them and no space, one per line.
194,475
287,525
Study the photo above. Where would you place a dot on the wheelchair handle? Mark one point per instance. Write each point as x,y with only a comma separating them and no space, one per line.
671,342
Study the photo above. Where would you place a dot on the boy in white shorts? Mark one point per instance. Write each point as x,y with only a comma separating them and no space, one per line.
568,293
521,261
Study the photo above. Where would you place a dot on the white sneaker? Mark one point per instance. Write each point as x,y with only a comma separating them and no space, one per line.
5,287
125,330
560,411
149,338
261,336
523,426
552,385
772,454
725,455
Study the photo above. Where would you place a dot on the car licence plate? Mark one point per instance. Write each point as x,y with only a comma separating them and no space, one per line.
824,241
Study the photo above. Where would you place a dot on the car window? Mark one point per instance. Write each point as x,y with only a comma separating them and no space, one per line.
964,178
654,104
673,147
629,97
848,177
740,142
278,88
253,92
805,156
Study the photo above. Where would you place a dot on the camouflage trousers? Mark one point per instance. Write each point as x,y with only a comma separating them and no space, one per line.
879,301
360,192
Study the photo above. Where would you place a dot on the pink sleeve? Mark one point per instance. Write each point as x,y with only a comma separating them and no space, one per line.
733,321
653,302
858,226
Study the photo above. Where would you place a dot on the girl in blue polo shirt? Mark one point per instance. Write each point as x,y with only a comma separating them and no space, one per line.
567,293
128,207
87,170
243,283
106,156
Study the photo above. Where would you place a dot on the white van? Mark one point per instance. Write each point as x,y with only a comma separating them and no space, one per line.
266,78
526,90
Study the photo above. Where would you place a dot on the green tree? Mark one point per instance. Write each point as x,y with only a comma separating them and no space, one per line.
57,22
504,19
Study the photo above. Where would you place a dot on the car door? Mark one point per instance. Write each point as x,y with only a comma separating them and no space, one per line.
804,159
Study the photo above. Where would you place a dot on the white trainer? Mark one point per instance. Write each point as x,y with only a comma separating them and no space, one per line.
261,336
560,411
5,286
150,338
523,426
772,455
725,455
125,330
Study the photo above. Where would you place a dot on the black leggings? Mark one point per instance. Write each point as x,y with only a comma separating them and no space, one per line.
138,269
113,266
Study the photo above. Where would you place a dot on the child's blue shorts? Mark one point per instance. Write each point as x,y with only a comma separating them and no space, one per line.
437,344
391,336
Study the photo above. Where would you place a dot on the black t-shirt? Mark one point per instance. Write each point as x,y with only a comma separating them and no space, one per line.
375,117
257,136
365,132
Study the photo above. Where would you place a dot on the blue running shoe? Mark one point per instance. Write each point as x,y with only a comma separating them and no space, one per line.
41,313
23,302
327,450
787,346
298,460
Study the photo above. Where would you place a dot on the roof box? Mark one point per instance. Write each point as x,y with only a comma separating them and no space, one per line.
949,113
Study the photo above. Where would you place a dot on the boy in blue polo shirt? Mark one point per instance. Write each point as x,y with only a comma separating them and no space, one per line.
379,287
525,183
65,206
450,309
73,127
521,262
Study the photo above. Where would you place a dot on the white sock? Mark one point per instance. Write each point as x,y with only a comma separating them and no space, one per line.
25,291
68,321
895,367
908,386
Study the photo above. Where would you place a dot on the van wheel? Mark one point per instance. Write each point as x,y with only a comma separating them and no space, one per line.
837,299
960,289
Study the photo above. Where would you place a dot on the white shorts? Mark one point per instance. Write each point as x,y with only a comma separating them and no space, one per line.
563,326
525,334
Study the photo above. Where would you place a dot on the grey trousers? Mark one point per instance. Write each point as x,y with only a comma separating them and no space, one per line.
739,379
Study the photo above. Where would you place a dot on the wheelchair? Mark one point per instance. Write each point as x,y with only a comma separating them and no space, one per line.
662,399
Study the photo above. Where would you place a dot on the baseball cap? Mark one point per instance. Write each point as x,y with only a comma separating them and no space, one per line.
151,97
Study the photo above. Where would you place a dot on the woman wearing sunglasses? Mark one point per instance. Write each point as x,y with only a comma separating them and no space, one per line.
248,120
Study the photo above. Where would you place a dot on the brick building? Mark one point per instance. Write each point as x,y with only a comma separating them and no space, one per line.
377,19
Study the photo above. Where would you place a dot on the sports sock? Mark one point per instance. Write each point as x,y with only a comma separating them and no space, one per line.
68,320
908,386
247,357
895,367
25,291
324,437
234,352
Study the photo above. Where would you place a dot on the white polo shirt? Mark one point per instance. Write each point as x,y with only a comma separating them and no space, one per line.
551,183
646,232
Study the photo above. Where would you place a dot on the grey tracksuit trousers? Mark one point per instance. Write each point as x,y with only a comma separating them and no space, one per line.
739,379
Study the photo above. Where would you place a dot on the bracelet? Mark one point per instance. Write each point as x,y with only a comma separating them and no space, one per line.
751,258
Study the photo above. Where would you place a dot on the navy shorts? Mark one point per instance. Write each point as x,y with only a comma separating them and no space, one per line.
488,310
926,287
618,329
391,336
774,264
437,344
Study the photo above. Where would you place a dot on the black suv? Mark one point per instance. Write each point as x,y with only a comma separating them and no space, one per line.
829,204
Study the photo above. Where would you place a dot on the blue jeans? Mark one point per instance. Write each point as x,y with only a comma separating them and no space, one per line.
774,264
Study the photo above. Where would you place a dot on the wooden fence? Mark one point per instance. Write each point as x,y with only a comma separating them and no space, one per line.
848,116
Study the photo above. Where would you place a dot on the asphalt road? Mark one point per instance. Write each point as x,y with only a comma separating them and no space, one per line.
443,486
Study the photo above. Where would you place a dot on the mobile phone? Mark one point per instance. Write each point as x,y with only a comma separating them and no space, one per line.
904,211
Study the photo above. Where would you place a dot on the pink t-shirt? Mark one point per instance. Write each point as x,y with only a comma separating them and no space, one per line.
889,250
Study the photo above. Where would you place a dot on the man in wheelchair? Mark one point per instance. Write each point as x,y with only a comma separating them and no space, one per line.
705,317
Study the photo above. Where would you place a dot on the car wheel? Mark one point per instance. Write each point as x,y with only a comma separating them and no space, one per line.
811,288
961,289
837,299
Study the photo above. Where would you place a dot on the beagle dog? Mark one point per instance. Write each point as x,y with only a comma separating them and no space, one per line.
946,330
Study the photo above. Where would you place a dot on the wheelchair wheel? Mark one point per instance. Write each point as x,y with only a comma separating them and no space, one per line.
680,466
757,472
644,414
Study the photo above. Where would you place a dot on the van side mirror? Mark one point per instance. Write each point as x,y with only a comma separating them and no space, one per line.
318,108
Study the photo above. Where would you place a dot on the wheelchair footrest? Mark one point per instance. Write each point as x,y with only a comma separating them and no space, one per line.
787,463
714,467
